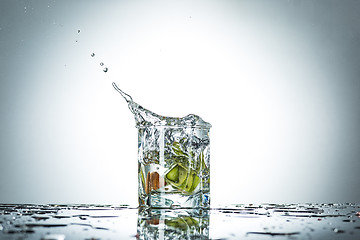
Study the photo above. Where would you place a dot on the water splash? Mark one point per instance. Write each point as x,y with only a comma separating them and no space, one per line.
126,96
144,117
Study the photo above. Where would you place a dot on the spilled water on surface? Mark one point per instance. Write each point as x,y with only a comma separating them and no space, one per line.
280,221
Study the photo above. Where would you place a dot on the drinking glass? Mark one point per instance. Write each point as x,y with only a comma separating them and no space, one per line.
174,165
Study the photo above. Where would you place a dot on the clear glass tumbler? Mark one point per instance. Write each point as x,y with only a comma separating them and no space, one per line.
174,165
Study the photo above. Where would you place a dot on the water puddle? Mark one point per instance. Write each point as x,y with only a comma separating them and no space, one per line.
274,233
125,222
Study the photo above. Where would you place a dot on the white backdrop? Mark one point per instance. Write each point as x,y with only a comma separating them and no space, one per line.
278,81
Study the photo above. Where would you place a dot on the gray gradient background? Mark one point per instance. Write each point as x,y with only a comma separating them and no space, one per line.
278,80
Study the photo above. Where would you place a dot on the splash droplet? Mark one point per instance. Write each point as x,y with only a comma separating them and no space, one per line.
105,69
79,31
101,64
93,54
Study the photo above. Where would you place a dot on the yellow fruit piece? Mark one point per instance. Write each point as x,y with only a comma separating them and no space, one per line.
183,178
173,175
196,181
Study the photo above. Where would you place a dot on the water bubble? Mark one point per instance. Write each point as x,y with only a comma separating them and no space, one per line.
105,69
101,64
93,54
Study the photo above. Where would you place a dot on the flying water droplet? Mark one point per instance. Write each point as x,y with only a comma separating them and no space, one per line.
105,69
79,31
93,54
101,64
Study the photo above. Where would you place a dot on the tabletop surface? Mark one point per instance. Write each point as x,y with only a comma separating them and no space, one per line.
235,221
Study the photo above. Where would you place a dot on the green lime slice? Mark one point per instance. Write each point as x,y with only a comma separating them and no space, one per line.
189,182
196,181
188,220
182,175
182,178
173,174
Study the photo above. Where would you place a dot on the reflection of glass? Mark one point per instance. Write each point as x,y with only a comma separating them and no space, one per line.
173,224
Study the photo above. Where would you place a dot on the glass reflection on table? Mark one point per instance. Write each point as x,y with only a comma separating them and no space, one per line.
173,224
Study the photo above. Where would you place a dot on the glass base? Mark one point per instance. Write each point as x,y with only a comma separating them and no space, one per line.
175,200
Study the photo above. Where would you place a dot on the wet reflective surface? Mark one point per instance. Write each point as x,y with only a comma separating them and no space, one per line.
237,221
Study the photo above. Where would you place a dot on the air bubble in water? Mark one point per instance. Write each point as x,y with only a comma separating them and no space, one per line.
105,69
101,64
93,54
